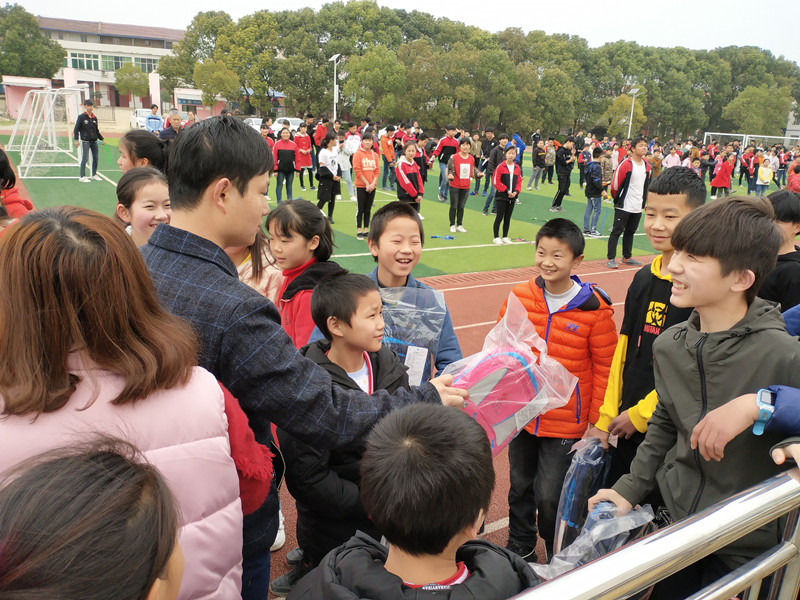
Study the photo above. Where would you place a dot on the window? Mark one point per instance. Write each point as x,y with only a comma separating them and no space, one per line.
81,60
47,34
112,63
84,38
168,45
60,35
148,65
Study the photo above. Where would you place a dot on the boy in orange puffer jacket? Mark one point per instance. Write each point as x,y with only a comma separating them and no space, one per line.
576,321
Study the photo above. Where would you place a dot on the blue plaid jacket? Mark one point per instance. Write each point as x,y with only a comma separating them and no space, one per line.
244,346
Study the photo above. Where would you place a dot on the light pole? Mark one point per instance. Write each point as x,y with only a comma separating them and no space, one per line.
335,59
634,91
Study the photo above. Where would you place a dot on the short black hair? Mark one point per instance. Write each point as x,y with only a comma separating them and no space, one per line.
489,129
639,139
450,127
565,231
680,180
597,152
301,217
217,147
152,106
390,128
387,213
309,115
8,179
786,205
737,231
569,139
502,136
426,475
88,102
337,295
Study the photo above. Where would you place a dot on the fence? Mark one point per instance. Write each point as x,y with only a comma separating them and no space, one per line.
639,565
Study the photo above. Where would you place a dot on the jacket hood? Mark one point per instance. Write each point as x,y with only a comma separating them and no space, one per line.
762,315
586,298
355,570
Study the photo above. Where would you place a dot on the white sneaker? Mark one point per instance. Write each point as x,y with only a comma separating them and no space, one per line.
97,177
302,189
497,241
84,180
713,197
353,198
528,188
452,228
338,196
461,229
507,241
280,537
421,218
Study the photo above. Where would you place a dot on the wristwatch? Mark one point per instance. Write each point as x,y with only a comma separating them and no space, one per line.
765,400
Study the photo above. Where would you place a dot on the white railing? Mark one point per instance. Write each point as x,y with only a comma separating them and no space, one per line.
639,565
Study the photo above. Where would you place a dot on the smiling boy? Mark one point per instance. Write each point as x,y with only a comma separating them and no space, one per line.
732,344
630,397
576,321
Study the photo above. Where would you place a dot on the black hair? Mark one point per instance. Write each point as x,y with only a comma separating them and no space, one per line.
407,144
140,144
8,179
152,106
337,295
680,180
465,140
302,124
786,205
450,127
390,128
565,231
387,213
134,180
426,475
217,147
422,136
597,152
368,133
737,231
301,217
501,136
350,124
489,129
88,102
309,116
796,168
569,138
90,522
325,120
329,137
639,139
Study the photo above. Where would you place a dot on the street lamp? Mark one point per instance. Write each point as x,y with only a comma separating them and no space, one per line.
335,59
634,91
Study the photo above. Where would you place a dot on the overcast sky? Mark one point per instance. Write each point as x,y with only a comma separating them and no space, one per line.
699,24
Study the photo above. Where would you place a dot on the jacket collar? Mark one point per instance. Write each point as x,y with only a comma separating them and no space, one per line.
184,242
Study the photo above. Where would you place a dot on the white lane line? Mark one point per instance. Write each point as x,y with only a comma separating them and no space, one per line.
111,181
495,526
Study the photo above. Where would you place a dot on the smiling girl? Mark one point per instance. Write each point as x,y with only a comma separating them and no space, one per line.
142,202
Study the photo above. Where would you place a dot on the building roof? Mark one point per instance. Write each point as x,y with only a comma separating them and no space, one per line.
112,29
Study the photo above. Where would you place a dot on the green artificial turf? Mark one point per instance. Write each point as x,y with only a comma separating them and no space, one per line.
468,252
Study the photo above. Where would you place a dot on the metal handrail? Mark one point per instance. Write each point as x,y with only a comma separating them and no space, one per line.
638,565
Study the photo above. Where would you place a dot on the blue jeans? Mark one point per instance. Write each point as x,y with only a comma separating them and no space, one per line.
537,467
388,171
444,183
86,147
593,208
751,183
288,178
780,177
260,529
490,200
761,188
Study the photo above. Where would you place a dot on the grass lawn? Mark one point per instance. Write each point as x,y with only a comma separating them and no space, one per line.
468,252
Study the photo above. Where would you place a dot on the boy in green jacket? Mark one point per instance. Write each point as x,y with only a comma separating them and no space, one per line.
732,344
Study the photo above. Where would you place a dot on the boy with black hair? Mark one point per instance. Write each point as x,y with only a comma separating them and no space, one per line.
496,157
732,344
426,482
630,397
592,173
782,285
87,129
576,322
446,148
347,309
488,144
218,178
565,160
629,190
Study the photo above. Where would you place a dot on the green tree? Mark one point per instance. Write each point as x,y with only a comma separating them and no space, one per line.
557,95
377,84
130,79
24,51
759,110
198,45
618,116
214,78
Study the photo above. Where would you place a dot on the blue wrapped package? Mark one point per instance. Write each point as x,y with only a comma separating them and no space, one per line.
586,475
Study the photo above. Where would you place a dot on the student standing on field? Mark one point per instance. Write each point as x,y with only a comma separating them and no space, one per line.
446,147
460,171
629,190
565,160
86,127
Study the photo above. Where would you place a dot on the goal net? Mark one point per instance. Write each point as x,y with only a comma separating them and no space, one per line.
42,133
765,142
723,139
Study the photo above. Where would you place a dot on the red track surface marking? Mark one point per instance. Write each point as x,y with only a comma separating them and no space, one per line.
474,301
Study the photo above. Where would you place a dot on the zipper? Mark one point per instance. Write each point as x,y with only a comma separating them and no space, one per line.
704,408
578,402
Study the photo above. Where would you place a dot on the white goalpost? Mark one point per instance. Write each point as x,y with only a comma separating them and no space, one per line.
42,133
723,138
751,139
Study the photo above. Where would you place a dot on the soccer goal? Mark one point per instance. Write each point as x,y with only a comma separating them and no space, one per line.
723,139
42,133
768,141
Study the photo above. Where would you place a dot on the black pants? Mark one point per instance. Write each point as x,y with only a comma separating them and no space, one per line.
364,200
548,169
625,225
458,200
719,191
310,178
563,189
331,204
504,206
414,204
581,174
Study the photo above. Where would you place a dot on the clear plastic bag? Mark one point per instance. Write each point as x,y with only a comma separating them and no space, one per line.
414,319
602,533
586,475
508,386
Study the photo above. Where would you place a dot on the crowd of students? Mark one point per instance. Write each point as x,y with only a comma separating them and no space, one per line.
178,333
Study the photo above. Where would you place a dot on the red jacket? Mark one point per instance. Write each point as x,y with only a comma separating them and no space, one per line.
501,179
303,142
319,134
723,177
16,205
582,337
457,167
295,302
409,181
622,180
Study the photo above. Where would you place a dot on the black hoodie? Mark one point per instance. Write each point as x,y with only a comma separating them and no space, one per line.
782,285
355,571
